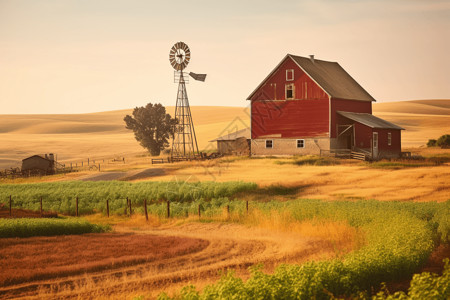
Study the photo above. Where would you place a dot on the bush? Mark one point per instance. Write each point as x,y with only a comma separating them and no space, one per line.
443,141
25,227
431,143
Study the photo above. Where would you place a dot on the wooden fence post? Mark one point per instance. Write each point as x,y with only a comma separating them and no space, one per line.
76,213
145,209
129,203
99,167
199,213
10,205
168,209
41,206
88,161
228,210
107,207
246,206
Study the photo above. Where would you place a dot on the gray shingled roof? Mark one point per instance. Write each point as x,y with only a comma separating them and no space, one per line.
330,76
369,120
234,135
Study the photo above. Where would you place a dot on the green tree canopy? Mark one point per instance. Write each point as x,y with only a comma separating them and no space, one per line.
152,127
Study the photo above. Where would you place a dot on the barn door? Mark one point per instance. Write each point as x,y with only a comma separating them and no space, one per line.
375,145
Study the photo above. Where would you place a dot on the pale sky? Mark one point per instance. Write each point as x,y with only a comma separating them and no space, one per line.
77,56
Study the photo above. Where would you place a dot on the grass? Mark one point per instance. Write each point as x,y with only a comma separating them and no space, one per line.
400,237
61,196
26,227
311,160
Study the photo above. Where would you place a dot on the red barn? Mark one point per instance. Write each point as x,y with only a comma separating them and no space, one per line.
308,106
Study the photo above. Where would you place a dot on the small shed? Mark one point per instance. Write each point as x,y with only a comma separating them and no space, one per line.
39,164
369,133
234,143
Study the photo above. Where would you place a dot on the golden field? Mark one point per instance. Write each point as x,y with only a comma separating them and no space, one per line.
76,137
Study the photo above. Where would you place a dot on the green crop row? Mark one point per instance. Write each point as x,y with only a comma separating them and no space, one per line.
60,196
400,238
47,227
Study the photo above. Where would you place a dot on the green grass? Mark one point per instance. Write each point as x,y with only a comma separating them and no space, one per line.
311,160
396,165
25,227
400,237
61,196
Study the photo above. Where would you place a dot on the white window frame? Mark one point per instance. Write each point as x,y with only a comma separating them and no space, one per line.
389,139
271,143
290,72
303,143
375,140
286,90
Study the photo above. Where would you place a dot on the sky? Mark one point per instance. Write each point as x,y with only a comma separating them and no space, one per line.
81,56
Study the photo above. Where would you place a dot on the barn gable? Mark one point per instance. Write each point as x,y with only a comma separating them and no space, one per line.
330,77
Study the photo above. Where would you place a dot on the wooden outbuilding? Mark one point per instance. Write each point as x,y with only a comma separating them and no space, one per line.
234,143
311,106
39,165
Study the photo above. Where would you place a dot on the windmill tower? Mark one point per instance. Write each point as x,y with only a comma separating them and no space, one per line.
184,144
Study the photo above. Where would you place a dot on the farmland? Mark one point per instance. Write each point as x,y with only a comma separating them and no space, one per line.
280,227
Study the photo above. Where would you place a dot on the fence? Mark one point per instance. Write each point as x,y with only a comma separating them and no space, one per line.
127,205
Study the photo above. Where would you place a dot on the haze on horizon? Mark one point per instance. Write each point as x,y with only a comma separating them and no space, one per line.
77,56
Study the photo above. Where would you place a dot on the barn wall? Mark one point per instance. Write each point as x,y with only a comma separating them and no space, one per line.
363,137
289,147
35,163
347,105
274,87
386,151
289,119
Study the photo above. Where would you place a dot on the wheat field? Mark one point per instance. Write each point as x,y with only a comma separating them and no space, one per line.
79,136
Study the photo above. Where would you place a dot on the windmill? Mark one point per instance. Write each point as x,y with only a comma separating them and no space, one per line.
184,144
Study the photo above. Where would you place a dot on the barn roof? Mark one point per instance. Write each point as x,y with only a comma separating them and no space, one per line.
235,135
38,156
330,76
369,120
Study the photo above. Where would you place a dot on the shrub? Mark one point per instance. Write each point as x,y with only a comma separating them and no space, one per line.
431,143
443,141
47,227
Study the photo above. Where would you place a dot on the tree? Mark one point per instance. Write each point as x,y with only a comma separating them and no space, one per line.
444,141
152,127
431,143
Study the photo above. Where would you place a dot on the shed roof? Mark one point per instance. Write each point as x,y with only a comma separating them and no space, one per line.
235,135
41,156
330,76
369,120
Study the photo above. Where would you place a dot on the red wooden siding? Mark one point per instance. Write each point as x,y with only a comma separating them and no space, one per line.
305,116
363,136
292,118
383,139
347,105
274,87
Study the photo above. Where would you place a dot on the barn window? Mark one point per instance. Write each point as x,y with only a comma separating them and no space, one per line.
289,75
389,138
269,144
300,143
290,91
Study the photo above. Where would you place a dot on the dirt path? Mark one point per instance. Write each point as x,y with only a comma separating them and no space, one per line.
230,246
126,175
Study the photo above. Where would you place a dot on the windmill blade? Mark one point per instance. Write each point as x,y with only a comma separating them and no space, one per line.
198,77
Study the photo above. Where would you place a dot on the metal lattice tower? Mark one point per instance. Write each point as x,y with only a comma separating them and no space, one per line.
184,145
